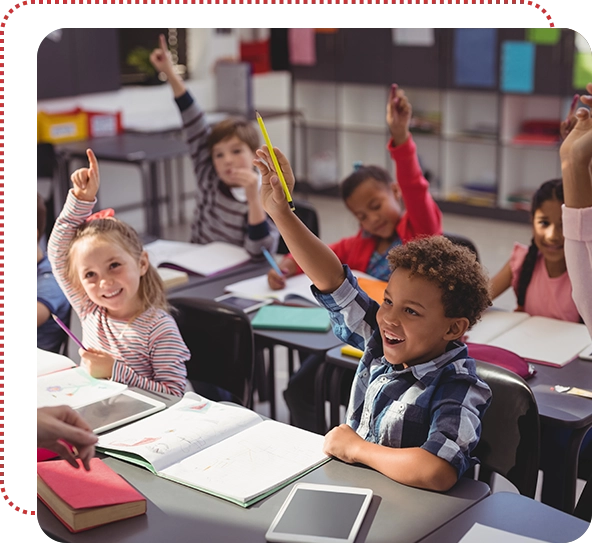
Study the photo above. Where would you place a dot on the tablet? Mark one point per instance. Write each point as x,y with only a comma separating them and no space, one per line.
314,513
118,410
242,302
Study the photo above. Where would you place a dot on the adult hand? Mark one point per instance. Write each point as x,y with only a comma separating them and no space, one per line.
86,181
59,426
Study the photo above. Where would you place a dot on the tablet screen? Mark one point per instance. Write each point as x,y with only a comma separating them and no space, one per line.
318,514
118,410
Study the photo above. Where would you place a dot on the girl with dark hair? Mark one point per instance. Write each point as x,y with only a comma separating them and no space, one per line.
538,273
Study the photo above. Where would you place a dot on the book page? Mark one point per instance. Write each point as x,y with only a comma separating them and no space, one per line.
202,259
74,387
189,426
252,462
493,323
258,287
545,340
48,362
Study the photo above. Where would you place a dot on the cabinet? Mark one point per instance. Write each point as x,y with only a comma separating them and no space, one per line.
469,133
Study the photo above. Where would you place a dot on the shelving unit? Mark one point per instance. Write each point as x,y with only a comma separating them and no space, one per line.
465,136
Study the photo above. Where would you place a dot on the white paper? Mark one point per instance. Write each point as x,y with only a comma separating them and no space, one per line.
423,37
186,428
74,387
258,288
486,534
48,362
493,323
203,259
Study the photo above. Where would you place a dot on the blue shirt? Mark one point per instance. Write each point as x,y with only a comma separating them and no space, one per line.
379,266
436,405
49,335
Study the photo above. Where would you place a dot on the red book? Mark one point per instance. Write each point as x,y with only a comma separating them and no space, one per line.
83,499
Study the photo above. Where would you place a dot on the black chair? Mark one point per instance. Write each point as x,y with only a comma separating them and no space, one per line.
464,241
583,508
220,339
308,215
509,443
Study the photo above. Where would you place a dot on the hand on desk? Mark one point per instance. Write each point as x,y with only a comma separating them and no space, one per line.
59,426
277,282
342,442
98,363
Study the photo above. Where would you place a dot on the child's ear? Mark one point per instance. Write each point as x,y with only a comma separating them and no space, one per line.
457,329
396,191
144,263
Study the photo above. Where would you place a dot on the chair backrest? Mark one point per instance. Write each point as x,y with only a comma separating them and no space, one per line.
464,241
509,443
308,215
220,339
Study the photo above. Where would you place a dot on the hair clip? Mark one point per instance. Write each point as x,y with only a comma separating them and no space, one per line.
103,214
357,165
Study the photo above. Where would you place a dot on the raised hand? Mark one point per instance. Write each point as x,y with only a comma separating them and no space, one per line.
570,121
398,115
86,181
272,193
161,57
577,146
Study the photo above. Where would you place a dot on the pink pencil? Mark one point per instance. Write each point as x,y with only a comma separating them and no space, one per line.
68,331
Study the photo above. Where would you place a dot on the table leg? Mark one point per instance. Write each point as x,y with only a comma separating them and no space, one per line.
150,185
168,190
180,190
323,373
335,395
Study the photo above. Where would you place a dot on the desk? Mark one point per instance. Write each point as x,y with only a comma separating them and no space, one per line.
515,514
142,150
555,409
397,514
312,342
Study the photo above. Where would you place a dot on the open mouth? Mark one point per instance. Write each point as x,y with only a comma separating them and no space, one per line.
112,294
392,339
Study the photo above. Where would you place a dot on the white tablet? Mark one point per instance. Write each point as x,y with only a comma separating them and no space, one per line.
119,410
315,513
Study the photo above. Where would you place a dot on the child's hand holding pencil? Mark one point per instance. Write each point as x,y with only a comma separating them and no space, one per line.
272,193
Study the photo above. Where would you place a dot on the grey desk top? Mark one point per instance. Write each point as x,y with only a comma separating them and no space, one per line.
398,513
554,408
127,147
515,514
214,287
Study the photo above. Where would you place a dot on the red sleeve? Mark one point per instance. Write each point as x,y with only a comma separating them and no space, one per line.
422,215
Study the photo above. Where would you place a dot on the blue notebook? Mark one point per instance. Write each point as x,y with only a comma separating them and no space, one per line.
283,317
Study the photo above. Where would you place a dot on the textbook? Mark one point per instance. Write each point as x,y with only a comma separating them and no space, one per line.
537,339
172,278
83,499
223,450
297,288
284,317
205,259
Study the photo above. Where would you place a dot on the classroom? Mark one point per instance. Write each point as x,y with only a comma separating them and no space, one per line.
336,229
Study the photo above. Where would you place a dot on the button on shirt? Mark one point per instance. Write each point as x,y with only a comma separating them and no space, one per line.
436,405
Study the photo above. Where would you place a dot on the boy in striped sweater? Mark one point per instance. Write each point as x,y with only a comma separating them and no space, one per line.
228,207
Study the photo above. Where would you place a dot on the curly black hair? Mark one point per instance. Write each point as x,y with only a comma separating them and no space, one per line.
453,268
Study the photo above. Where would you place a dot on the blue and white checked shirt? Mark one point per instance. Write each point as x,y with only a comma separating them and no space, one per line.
436,405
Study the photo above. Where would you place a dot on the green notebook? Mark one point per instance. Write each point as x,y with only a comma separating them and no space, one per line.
284,317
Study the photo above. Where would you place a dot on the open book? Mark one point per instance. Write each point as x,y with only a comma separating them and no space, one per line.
205,259
224,450
297,288
539,339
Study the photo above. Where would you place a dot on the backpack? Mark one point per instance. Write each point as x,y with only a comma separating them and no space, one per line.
501,357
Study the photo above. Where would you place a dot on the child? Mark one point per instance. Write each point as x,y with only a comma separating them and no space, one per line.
372,196
538,273
228,207
377,202
50,298
416,401
118,296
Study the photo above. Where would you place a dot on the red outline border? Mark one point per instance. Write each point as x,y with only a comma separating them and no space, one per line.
153,2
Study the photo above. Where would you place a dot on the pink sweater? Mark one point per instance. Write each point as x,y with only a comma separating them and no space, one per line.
577,229
545,296
422,217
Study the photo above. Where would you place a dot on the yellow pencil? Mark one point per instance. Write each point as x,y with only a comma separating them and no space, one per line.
275,162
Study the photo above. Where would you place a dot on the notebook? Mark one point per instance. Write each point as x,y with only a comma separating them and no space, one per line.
297,289
538,339
285,317
205,259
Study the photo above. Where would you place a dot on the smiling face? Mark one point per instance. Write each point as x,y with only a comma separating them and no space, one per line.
109,275
548,231
229,155
412,321
377,206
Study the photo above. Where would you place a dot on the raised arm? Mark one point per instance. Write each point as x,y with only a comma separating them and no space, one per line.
317,260
162,62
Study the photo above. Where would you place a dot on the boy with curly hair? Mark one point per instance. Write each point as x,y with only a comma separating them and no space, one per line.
416,402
